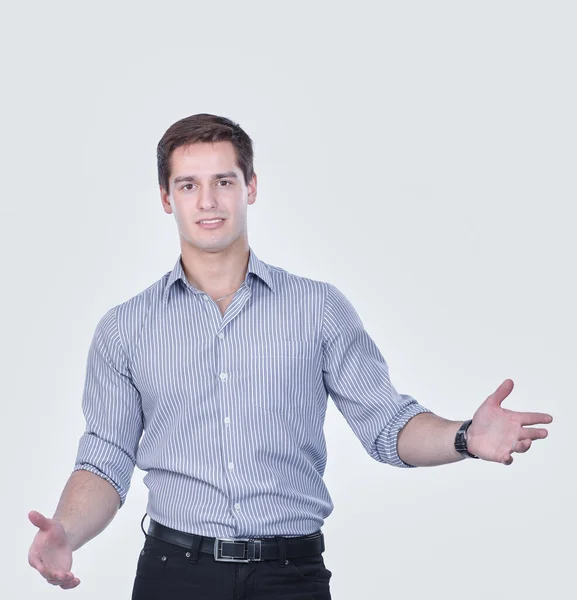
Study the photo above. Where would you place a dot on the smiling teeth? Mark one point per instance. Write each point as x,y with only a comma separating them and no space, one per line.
213,221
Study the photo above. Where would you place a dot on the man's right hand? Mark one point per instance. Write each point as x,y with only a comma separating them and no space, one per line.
51,552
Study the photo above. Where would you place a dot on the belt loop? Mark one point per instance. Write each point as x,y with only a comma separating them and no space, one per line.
194,548
282,544
141,525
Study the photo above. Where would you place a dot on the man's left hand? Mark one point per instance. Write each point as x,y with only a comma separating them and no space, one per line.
497,432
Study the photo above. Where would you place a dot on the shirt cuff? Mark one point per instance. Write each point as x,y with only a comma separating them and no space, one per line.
93,469
106,460
386,444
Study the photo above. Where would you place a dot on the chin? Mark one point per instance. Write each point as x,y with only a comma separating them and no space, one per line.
216,246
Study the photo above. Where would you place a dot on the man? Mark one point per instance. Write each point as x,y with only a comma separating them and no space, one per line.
223,368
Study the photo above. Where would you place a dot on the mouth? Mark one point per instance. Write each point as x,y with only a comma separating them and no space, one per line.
210,223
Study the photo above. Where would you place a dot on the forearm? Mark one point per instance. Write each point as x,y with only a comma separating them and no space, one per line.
428,440
87,506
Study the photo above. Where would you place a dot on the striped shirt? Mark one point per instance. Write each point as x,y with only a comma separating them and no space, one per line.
225,413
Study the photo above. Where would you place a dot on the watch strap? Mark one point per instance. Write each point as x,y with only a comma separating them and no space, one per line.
461,440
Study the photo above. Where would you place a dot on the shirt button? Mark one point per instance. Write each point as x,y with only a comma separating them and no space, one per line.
231,466
220,335
223,376
237,506
227,420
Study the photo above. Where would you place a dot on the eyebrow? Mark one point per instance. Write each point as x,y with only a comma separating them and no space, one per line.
216,176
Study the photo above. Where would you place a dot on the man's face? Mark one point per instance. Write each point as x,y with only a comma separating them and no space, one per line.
206,184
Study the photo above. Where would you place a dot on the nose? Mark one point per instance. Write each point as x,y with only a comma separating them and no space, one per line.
206,198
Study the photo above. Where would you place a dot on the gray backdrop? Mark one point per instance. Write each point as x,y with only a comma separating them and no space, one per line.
419,155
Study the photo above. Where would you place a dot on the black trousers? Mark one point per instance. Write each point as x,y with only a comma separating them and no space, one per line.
169,572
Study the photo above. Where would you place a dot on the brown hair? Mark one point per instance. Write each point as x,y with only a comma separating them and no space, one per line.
204,128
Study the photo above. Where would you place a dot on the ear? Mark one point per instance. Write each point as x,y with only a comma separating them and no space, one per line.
164,198
252,190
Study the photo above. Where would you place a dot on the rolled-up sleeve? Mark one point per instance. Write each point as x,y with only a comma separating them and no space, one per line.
112,407
356,376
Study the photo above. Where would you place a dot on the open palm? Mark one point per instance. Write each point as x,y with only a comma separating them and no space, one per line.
497,432
50,553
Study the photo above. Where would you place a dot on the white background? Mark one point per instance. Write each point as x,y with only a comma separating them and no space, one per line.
419,155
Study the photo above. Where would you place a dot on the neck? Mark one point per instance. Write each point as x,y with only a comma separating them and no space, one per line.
215,273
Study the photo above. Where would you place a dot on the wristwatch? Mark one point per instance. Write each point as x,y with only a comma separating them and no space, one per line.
461,440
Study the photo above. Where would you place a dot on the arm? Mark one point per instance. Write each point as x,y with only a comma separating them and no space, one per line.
428,440
87,506
356,376
113,410
495,433
393,427
104,463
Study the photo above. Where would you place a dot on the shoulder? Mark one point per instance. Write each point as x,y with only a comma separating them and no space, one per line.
144,300
285,281
322,294
128,317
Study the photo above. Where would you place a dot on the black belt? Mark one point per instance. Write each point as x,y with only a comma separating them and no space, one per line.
241,550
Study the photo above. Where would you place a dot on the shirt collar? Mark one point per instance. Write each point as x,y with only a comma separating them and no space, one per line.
255,266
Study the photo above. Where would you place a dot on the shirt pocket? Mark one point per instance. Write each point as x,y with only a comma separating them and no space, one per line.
280,376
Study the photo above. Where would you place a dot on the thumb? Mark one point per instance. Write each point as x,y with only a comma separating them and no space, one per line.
39,520
497,397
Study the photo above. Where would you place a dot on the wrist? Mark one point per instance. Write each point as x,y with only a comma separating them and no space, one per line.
470,439
463,439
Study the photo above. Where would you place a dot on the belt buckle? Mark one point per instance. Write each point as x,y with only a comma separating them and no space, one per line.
250,547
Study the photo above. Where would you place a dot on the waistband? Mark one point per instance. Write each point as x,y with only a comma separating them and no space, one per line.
241,550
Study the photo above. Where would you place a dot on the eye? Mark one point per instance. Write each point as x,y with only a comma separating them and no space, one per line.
187,186
225,181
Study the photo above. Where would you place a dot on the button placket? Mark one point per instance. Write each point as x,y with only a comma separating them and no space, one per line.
226,362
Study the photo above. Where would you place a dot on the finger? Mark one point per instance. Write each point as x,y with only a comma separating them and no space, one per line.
497,397
58,580
39,520
532,433
57,576
522,446
534,418
72,584
507,457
